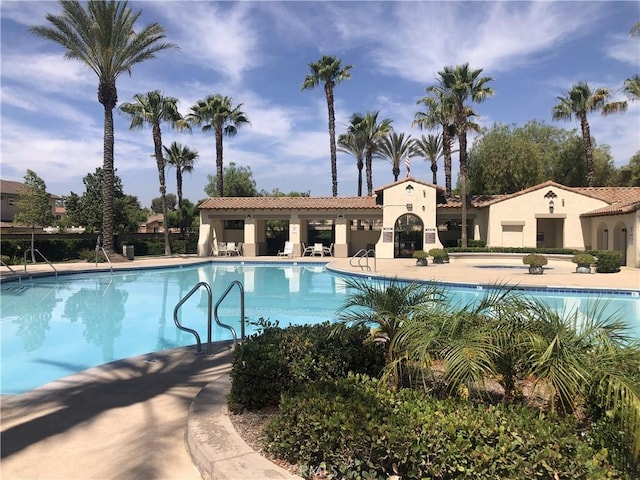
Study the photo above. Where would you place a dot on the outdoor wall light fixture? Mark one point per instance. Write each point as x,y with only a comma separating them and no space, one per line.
409,190
409,207
551,206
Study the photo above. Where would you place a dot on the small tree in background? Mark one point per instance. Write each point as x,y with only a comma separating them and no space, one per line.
34,206
156,203
238,182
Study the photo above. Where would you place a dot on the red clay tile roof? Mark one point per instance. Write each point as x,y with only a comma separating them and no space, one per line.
615,209
284,203
620,195
9,186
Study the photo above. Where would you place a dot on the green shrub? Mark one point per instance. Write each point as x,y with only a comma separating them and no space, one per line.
419,254
534,260
473,243
608,261
584,259
6,259
277,360
439,254
357,430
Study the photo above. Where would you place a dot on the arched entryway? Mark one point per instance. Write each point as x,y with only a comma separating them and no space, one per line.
602,240
408,235
620,240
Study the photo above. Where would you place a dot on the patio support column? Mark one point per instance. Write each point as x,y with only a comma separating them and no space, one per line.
341,246
295,228
250,244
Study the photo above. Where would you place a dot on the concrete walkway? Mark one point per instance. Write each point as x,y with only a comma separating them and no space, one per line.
156,416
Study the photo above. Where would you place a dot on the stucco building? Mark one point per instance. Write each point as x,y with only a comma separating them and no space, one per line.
411,215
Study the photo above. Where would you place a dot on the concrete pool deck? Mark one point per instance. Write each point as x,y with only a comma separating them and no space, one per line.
155,415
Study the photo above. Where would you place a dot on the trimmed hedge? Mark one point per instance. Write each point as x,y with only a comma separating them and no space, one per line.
279,360
607,261
547,251
353,429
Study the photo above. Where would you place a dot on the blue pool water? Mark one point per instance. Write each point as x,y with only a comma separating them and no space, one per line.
55,327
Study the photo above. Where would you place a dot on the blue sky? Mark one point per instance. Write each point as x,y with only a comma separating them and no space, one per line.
258,53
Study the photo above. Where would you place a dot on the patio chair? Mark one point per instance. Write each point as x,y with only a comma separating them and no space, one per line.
222,249
232,249
328,250
318,249
306,250
288,250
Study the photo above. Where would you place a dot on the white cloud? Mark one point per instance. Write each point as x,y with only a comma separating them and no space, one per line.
496,36
216,36
48,72
51,157
624,49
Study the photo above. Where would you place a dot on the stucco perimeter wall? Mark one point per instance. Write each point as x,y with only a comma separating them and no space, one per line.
408,197
528,221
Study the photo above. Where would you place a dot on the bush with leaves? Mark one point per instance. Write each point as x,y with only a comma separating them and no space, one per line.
608,261
278,360
355,429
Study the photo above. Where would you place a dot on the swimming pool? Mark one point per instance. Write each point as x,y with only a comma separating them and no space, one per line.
55,327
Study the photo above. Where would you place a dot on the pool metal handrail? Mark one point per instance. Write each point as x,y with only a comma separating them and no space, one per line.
104,252
35,250
230,328
364,254
5,265
207,287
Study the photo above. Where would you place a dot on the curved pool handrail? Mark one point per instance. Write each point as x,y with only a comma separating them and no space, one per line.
191,330
229,327
33,252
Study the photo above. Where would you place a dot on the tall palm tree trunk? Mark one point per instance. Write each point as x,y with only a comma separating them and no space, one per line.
157,145
360,166
588,150
446,153
179,188
369,173
332,139
434,171
108,97
462,139
219,172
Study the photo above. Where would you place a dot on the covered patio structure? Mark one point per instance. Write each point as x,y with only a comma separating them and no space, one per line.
353,223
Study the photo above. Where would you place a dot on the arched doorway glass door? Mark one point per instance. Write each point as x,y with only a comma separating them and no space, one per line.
407,235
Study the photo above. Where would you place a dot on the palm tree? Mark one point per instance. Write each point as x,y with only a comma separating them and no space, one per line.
635,30
395,147
153,108
632,87
385,306
430,148
329,72
439,113
217,113
372,131
354,143
459,84
104,37
183,159
580,101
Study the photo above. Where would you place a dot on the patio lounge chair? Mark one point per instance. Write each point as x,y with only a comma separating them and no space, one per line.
232,249
222,249
306,250
288,250
328,250
318,249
